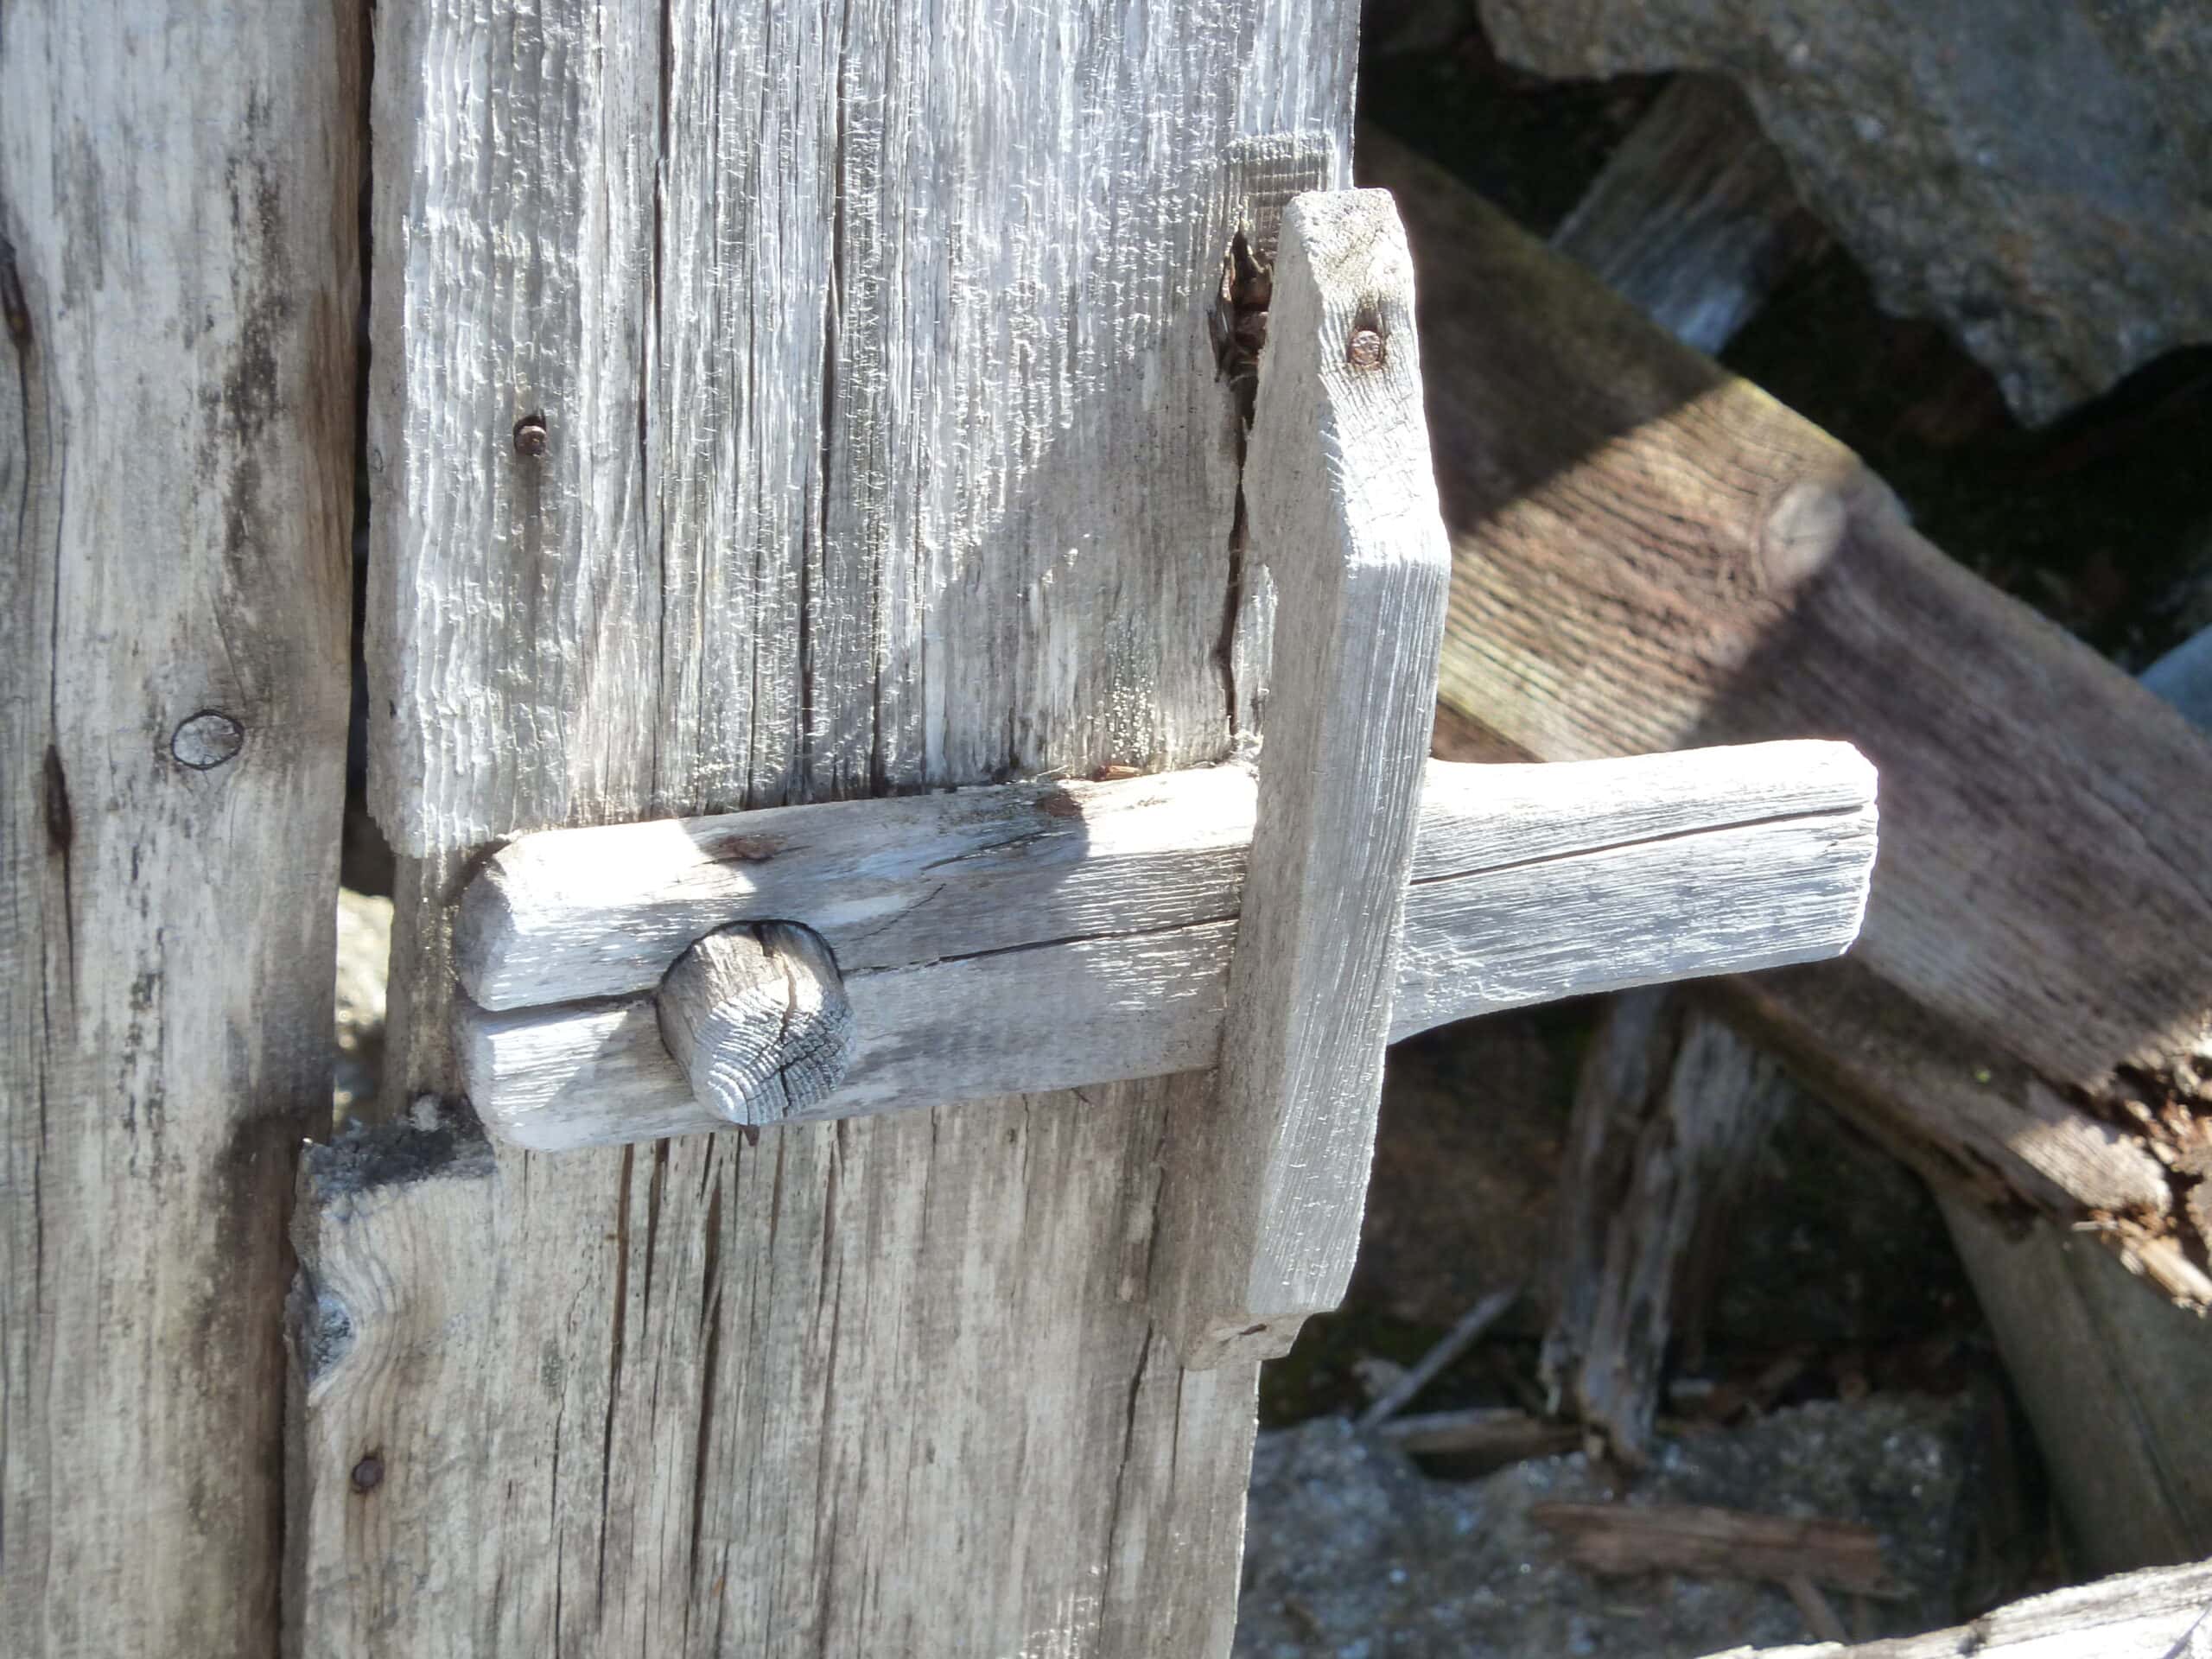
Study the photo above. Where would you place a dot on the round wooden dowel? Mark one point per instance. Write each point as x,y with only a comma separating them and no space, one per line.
756,1018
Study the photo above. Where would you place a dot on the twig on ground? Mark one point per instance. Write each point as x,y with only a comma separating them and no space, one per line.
1454,1343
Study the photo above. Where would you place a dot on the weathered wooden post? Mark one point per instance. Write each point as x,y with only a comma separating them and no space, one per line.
178,283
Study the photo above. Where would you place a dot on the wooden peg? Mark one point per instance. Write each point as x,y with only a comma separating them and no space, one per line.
755,1017
1262,1195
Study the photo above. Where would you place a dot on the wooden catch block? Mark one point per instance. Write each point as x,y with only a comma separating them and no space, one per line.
1032,937
1260,1205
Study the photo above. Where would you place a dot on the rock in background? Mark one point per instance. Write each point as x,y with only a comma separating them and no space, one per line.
2032,172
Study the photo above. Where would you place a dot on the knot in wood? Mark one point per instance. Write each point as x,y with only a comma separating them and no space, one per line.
755,1016
206,739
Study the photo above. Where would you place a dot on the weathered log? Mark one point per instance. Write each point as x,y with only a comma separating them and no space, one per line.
1711,567
1693,218
1669,1116
179,282
1710,1542
2112,1380
1983,942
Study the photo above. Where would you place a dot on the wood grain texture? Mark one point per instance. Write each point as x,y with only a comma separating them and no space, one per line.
2113,1382
1713,568
756,1019
2165,1613
885,451
1692,219
1531,883
1263,1192
178,189
1621,1539
573,913
1682,222
1671,1114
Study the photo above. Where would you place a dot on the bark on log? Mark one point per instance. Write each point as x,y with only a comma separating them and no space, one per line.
1713,568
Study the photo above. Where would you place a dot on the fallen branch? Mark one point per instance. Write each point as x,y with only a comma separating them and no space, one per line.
1716,1543
1495,1435
1454,1343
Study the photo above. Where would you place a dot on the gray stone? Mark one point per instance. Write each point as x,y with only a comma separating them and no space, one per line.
2037,174
1350,1552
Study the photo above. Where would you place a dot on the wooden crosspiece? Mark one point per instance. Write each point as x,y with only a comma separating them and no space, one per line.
1284,922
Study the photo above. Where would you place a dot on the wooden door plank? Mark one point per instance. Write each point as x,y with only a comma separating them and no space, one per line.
885,448
178,281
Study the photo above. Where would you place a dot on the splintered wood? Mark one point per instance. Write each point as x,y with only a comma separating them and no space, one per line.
1670,1118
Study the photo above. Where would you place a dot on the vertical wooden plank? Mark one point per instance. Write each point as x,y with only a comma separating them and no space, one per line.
1265,1187
177,276
886,449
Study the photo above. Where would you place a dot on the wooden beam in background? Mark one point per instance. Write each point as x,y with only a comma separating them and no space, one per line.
1650,554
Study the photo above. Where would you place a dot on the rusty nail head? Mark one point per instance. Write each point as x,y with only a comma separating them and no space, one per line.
368,1473
531,437
1364,349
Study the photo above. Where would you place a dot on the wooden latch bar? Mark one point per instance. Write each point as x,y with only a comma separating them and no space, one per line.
645,980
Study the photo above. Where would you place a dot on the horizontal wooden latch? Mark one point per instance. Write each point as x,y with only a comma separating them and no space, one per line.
1282,923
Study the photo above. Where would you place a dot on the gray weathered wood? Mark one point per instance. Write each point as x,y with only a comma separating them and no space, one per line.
2113,1379
1692,219
2165,1613
1262,1195
886,449
756,1019
177,302
1529,883
1648,558
574,913
1989,1024
1671,1113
